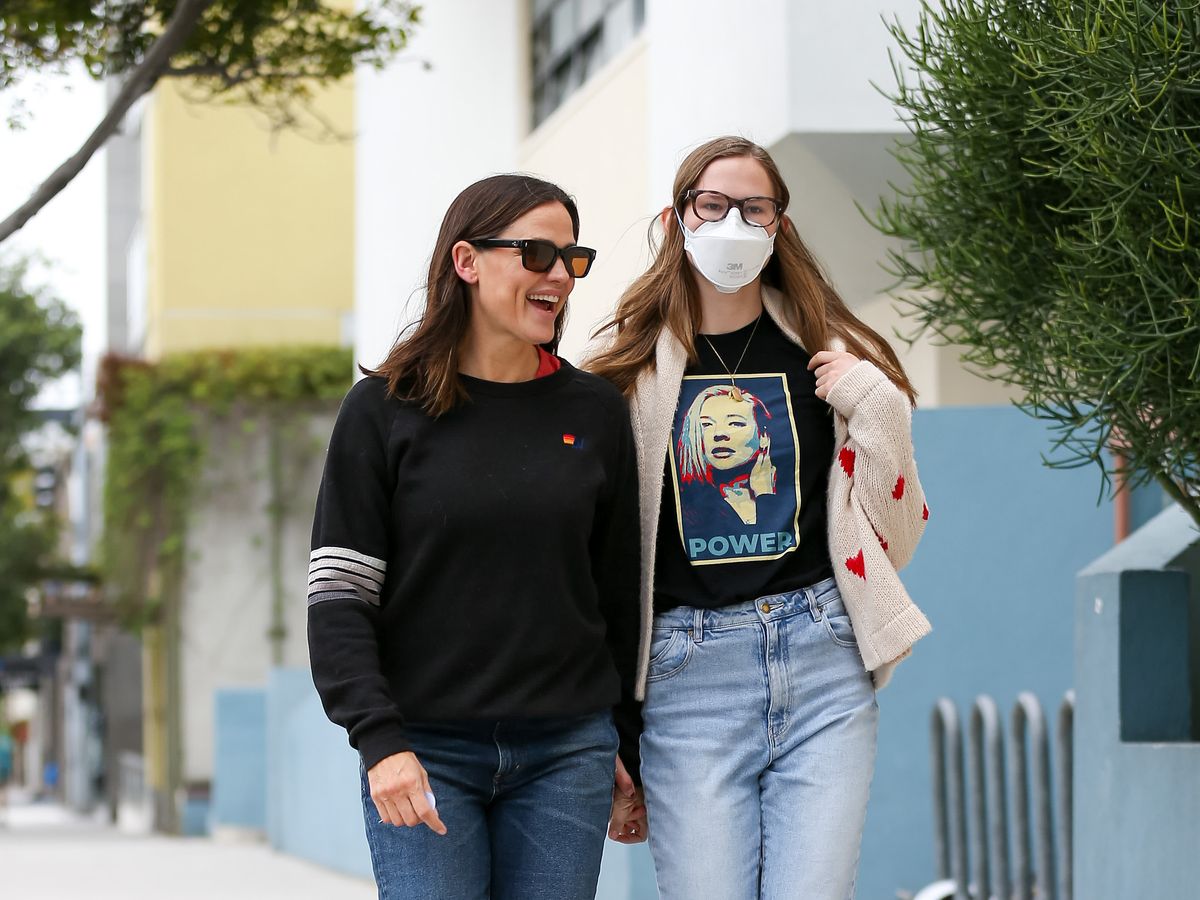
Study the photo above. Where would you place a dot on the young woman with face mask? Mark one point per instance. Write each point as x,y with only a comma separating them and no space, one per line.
473,612
767,631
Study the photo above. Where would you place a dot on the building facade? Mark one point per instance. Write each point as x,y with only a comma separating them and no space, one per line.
224,234
606,97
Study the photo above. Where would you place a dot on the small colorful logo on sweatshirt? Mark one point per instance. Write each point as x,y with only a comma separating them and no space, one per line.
571,441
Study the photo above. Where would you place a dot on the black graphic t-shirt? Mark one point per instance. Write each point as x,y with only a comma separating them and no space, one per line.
743,511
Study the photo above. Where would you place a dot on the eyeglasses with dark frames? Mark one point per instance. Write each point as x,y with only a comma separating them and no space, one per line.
713,206
538,255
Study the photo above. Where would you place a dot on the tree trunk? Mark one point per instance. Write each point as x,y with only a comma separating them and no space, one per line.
141,79
1189,503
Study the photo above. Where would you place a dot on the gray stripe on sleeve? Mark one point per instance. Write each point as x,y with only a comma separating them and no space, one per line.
338,573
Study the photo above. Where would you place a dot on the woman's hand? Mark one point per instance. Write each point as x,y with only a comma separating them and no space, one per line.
400,789
830,365
762,476
627,824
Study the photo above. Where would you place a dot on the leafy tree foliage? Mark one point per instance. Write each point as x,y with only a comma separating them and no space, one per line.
1051,225
39,342
270,54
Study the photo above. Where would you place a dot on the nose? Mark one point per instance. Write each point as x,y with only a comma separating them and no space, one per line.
558,272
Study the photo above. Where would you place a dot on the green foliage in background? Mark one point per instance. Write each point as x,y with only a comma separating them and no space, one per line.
39,342
157,415
273,51
1051,223
271,55
27,541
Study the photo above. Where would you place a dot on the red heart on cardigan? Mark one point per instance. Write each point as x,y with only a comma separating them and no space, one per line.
924,512
898,490
882,542
858,565
846,458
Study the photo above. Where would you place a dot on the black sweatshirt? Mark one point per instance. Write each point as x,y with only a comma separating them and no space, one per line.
479,566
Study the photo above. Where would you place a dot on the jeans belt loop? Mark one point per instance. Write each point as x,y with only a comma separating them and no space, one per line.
698,625
815,610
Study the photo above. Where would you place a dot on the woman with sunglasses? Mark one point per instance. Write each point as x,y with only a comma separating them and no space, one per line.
473,584
767,634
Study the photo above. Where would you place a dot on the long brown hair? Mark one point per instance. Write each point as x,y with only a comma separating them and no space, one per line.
423,365
666,295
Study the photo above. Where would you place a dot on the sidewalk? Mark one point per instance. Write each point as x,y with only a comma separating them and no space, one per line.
47,853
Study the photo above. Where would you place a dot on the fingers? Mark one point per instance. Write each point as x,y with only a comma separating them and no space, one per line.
423,813
632,831
389,811
822,357
408,815
400,790
829,367
624,783
628,822
426,812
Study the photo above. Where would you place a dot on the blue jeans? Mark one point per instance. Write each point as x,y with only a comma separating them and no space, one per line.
525,804
758,749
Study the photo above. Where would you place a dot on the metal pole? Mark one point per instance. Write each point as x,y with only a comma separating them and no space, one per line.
949,794
987,742
1066,797
1028,719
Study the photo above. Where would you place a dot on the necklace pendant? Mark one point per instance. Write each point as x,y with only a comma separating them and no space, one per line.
737,394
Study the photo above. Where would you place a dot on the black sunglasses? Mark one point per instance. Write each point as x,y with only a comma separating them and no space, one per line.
538,255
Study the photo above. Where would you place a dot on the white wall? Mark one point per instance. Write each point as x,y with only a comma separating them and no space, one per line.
228,588
835,52
450,111
714,68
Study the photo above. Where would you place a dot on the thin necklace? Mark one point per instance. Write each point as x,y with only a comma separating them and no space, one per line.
737,392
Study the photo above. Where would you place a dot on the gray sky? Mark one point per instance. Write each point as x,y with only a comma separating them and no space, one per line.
69,232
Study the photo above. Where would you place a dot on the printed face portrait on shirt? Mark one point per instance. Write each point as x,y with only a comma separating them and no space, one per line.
722,430
735,466
729,430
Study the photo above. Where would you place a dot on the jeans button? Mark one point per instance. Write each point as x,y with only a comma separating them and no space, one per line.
766,607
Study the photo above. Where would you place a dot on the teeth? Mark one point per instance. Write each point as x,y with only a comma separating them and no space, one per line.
548,298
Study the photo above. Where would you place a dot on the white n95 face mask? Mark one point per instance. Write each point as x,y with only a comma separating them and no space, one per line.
729,253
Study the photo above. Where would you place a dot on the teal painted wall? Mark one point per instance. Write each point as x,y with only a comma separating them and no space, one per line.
995,574
313,808
239,793
1137,759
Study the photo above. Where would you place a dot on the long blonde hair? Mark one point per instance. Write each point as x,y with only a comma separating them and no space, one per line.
666,295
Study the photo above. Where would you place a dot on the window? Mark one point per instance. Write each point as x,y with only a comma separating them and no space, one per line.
572,39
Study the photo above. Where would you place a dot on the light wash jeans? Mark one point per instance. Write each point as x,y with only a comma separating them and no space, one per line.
758,749
525,805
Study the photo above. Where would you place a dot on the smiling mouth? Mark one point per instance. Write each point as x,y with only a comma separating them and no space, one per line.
544,302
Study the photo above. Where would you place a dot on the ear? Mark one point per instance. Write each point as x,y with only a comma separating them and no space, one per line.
785,224
465,261
665,217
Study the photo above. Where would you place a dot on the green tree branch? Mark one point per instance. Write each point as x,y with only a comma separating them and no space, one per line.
1050,225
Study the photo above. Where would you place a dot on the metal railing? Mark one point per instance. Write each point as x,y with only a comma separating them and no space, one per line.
978,853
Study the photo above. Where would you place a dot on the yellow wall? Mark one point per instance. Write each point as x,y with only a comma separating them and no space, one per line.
250,234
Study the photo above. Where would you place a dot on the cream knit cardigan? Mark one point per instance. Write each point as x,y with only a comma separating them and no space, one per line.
876,506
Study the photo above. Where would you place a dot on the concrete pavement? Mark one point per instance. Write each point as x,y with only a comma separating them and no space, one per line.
46,853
